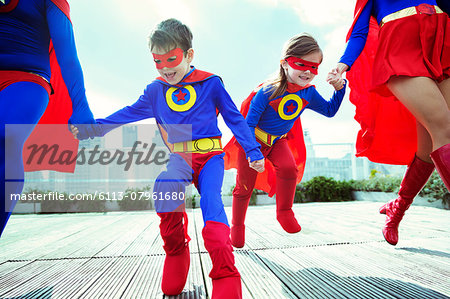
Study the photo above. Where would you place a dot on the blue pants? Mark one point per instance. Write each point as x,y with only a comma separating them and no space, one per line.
208,178
20,103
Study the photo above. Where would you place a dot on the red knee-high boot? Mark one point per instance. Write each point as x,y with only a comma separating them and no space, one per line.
177,261
441,159
226,279
415,178
285,193
240,205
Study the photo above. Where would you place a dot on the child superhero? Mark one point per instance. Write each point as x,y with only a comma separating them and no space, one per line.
401,88
36,47
184,96
273,114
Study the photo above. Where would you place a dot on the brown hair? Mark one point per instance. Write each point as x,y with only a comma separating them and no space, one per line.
170,34
297,46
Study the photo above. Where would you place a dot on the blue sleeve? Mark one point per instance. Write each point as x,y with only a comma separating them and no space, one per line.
327,108
257,106
61,33
358,37
236,122
140,110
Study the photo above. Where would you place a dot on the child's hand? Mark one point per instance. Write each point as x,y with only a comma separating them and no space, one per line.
335,79
74,131
257,165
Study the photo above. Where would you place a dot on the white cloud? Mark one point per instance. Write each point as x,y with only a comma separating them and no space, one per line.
323,12
102,104
141,13
319,12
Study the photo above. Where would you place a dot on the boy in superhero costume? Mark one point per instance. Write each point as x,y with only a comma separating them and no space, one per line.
401,88
184,96
273,114
37,48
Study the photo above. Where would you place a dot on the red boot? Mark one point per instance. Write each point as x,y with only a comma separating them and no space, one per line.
226,279
285,193
441,159
177,261
415,178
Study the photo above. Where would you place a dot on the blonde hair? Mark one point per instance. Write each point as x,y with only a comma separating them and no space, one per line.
297,46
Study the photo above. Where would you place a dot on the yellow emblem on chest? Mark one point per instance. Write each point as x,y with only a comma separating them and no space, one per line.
290,106
181,99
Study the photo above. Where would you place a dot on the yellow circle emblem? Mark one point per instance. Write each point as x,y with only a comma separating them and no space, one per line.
181,99
290,106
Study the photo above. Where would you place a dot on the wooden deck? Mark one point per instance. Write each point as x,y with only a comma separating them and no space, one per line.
340,253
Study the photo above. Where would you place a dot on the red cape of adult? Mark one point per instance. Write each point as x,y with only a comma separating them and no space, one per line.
388,130
52,128
266,181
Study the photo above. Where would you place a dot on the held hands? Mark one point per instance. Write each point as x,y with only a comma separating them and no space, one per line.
74,131
335,76
257,165
335,79
85,131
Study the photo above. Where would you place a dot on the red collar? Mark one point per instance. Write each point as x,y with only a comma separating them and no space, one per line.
293,88
193,76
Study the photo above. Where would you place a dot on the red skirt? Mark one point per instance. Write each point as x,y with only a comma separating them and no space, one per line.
415,46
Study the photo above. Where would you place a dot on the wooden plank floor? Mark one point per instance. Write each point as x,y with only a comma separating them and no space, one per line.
340,253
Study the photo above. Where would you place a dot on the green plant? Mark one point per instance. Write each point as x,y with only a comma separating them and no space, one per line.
321,188
435,188
253,197
191,201
89,205
136,199
377,182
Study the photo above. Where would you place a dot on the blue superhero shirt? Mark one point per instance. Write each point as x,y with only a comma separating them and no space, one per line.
277,116
25,34
379,9
194,101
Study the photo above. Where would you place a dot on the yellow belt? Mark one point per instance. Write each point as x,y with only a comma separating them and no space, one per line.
410,11
266,138
203,145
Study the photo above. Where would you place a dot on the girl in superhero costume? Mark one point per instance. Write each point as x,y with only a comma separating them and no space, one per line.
185,101
36,47
273,114
401,88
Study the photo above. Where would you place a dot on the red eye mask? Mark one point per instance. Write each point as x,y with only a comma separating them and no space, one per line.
303,65
169,60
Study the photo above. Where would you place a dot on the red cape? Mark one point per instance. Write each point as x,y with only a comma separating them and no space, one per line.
58,111
266,181
388,130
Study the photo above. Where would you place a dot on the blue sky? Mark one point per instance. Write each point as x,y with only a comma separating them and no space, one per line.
241,41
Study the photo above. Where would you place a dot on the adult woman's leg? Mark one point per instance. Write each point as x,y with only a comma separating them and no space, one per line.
441,156
416,176
21,106
425,100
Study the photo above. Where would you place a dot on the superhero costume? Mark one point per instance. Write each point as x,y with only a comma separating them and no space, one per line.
277,126
187,113
388,131
36,36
